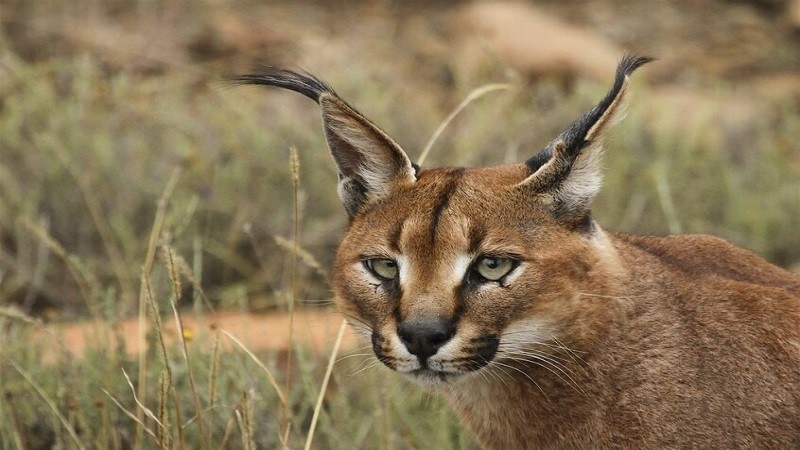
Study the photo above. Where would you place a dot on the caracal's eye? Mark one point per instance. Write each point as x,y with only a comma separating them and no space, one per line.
493,269
385,269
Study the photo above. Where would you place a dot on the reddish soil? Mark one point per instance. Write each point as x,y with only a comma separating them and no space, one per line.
315,329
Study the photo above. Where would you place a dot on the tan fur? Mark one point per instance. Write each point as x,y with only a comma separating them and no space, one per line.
594,339
673,342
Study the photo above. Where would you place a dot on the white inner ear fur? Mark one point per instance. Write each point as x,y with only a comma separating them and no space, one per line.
585,178
376,165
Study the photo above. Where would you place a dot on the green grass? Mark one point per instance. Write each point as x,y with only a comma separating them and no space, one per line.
87,152
367,410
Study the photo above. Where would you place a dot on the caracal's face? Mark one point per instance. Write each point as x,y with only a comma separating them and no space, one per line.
456,272
449,272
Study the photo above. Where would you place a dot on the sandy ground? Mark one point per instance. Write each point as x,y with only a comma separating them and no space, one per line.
314,329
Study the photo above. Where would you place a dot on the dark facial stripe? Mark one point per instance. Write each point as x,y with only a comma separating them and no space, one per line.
395,292
476,236
444,200
394,236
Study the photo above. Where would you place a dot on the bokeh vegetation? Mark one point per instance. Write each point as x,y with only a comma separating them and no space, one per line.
92,137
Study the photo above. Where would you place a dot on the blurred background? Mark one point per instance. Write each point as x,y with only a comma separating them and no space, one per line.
121,144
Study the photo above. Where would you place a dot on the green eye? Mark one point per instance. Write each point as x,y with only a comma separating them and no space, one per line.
493,269
385,269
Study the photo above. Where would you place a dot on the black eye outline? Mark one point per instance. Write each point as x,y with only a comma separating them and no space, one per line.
370,265
476,275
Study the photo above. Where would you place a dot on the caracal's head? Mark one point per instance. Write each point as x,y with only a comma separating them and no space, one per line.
449,270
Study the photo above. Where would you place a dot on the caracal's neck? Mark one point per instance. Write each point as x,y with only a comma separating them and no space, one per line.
526,407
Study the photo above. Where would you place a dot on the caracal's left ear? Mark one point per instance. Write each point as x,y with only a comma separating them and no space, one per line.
567,170
370,163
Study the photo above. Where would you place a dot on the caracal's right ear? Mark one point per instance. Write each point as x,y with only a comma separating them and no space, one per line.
566,173
370,163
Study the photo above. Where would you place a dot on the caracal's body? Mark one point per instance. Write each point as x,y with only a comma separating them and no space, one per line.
495,286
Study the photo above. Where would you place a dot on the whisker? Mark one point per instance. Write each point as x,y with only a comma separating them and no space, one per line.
528,351
517,349
371,365
542,343
550,365
557,344
340,359
568,350
360,362
552,359
523,373
499,372
492,373
407,389
351,318
362,348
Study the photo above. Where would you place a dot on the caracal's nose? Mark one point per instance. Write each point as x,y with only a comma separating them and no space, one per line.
424,336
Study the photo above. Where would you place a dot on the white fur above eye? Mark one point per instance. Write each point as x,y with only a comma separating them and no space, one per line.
461,265
402,267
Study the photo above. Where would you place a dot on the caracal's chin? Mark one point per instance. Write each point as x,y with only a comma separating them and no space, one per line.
431,379
435,379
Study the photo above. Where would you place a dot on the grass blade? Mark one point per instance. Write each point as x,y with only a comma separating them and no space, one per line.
474,95
270,378
141,405
152,244
182,338
50,403
164,436
135,417
324,387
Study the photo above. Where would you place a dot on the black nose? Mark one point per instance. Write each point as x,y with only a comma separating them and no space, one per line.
424,336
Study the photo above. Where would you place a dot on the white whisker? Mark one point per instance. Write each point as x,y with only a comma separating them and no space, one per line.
550,365
369,365
490,370
523,373
569,350
353,355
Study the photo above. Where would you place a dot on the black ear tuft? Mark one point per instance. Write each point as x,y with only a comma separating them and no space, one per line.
370,163
631,62
300,82
576,136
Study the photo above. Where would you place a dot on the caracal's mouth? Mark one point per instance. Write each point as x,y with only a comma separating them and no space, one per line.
435,373
430,377
451,362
